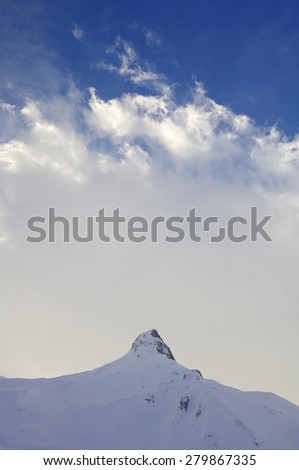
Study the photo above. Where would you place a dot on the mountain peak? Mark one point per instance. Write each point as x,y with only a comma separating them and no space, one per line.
152,341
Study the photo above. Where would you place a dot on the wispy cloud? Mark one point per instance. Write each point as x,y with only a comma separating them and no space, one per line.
151,36
130,68
7,107
78,32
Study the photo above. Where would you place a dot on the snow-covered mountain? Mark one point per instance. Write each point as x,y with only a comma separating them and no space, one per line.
144,400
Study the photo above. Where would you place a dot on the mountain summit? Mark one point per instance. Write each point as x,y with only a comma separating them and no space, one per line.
152,341
144,400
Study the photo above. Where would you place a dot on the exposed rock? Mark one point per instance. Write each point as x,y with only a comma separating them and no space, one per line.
151,340
184,403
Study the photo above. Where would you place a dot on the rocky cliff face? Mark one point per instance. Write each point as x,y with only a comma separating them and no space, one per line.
152,341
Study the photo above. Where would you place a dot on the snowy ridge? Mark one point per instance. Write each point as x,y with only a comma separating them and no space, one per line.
144,400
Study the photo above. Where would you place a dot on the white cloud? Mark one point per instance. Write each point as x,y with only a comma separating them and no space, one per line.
276,156
7,107
129,67
43,143
151,36
78,32
133,161
200,134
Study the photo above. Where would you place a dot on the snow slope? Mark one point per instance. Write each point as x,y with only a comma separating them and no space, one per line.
144,400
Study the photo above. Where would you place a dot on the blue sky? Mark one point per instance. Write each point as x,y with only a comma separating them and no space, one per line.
246,54
155,108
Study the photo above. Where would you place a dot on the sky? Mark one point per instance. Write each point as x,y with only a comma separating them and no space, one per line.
154,108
